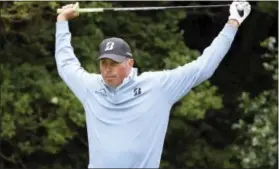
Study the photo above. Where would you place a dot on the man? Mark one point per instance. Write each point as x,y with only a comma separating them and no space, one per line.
126,125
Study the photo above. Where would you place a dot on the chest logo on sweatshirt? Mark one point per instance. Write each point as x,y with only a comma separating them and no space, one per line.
137,91
101,92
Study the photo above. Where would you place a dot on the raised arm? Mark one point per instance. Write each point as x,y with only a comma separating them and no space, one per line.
69,67
178,82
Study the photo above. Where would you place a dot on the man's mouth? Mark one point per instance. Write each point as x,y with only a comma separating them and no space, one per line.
110,77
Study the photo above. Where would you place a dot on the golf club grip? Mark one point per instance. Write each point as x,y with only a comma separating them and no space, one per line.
85,10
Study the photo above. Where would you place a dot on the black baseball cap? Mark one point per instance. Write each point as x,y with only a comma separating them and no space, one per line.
114,48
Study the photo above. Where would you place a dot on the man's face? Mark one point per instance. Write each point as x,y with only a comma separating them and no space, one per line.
113,72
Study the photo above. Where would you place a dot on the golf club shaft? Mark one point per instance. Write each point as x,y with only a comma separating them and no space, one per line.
85,10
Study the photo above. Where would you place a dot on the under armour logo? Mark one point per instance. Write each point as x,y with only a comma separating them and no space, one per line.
137,91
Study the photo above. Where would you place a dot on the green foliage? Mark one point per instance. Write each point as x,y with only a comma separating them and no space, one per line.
272,64
270,8
257,142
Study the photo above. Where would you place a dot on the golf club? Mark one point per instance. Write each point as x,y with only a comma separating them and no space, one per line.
85,10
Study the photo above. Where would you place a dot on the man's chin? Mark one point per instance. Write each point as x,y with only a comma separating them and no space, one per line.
111,83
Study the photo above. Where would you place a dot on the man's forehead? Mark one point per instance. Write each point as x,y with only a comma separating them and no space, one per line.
107,60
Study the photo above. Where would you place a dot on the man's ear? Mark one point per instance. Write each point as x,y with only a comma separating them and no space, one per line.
131,62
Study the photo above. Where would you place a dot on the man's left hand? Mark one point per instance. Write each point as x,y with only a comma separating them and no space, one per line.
239,10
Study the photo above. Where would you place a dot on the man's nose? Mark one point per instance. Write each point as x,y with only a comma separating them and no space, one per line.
108,68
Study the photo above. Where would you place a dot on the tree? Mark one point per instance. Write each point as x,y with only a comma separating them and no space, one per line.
43,125
256,145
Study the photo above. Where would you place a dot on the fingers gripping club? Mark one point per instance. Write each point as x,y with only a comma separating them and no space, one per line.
82,10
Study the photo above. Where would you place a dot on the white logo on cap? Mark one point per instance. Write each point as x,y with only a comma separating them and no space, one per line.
109,46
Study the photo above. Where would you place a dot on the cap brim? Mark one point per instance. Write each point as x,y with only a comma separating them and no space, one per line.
117,58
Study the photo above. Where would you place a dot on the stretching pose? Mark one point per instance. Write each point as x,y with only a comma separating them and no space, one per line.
126,114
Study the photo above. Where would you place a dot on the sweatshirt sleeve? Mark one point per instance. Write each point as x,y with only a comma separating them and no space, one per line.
177,82
68,66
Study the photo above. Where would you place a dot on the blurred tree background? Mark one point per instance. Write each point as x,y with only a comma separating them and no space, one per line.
229,121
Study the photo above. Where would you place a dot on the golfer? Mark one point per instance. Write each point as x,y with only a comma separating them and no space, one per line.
127,114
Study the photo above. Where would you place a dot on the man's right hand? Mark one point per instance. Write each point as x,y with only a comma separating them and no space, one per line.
68,12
